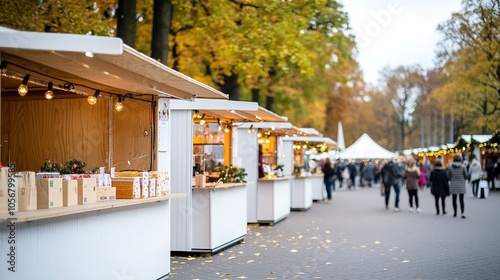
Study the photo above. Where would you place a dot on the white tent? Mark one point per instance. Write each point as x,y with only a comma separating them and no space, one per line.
366,148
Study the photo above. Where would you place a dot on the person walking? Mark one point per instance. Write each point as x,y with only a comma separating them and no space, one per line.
390,178
439,185
328,179
412,176
475,175
457,173
422,181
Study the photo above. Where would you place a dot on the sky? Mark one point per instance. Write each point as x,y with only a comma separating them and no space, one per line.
397,32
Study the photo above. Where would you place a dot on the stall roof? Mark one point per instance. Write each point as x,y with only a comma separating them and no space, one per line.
317,139
238,111
311,131
90,63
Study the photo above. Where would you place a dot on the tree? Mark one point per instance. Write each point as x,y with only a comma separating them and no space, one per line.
64,16
162,19
126,21
404,85
470,56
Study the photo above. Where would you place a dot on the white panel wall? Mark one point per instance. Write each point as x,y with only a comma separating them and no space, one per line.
285,156
119,243
246,155
181,150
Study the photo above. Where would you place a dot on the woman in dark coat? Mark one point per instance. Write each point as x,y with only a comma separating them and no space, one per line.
457,173
439,185
328,179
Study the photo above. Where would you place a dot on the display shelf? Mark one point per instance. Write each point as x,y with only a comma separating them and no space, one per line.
220,186
39,214
276,178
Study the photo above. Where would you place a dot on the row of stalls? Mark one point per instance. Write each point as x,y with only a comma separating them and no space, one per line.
484,148
227,163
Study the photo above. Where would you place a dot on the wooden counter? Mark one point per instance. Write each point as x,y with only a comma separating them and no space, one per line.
219,216
273,199
39,214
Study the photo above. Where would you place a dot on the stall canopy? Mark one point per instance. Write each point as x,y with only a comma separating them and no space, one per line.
366,148
83,64
237,111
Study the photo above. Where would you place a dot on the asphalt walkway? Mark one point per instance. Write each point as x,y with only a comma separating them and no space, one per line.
355,237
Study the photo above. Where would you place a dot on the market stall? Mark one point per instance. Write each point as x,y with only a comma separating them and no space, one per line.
308,184
213,217
92,99
257,148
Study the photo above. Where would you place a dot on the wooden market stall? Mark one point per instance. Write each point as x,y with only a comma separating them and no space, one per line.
92,99
308,185
269,197
213,216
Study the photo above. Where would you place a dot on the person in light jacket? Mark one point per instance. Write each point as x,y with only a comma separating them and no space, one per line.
440,187
475,175
457,173
412,175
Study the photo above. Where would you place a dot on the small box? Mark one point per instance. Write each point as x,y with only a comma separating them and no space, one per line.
144,188
105,194
49,193
70,192
27,193
4,187
152,187
127,188
86,190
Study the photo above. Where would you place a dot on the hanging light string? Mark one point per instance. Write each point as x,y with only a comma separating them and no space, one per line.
66,86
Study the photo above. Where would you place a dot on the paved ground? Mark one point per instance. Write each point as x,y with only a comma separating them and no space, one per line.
355,237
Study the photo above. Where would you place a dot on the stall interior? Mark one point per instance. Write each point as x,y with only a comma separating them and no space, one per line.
62,129
267,140
211,146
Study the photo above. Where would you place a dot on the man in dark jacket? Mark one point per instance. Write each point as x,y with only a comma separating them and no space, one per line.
390,177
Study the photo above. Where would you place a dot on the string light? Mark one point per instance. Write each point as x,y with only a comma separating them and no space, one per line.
23,87
92,99
49,94
119,104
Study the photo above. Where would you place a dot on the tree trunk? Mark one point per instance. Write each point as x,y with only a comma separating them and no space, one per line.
231,87
126,22
255,95
269,102
162,19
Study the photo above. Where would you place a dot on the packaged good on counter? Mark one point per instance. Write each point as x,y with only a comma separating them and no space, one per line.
162,186
106,194
27,192
49,193
152,187
86,190
70,191
127,188
4,185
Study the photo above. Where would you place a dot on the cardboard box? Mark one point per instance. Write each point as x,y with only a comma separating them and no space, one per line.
152,187
105,194
49,193
27,192
70,192
86,190
144,188
4,186
127,188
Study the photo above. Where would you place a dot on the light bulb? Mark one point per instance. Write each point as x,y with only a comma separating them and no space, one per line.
226,130
49,94
92,100
119,106
202,122
22,89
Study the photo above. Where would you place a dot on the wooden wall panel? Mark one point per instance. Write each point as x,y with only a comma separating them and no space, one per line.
131,148
60,129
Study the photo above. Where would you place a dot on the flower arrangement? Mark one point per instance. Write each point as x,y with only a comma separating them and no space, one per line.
232,174
72,166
